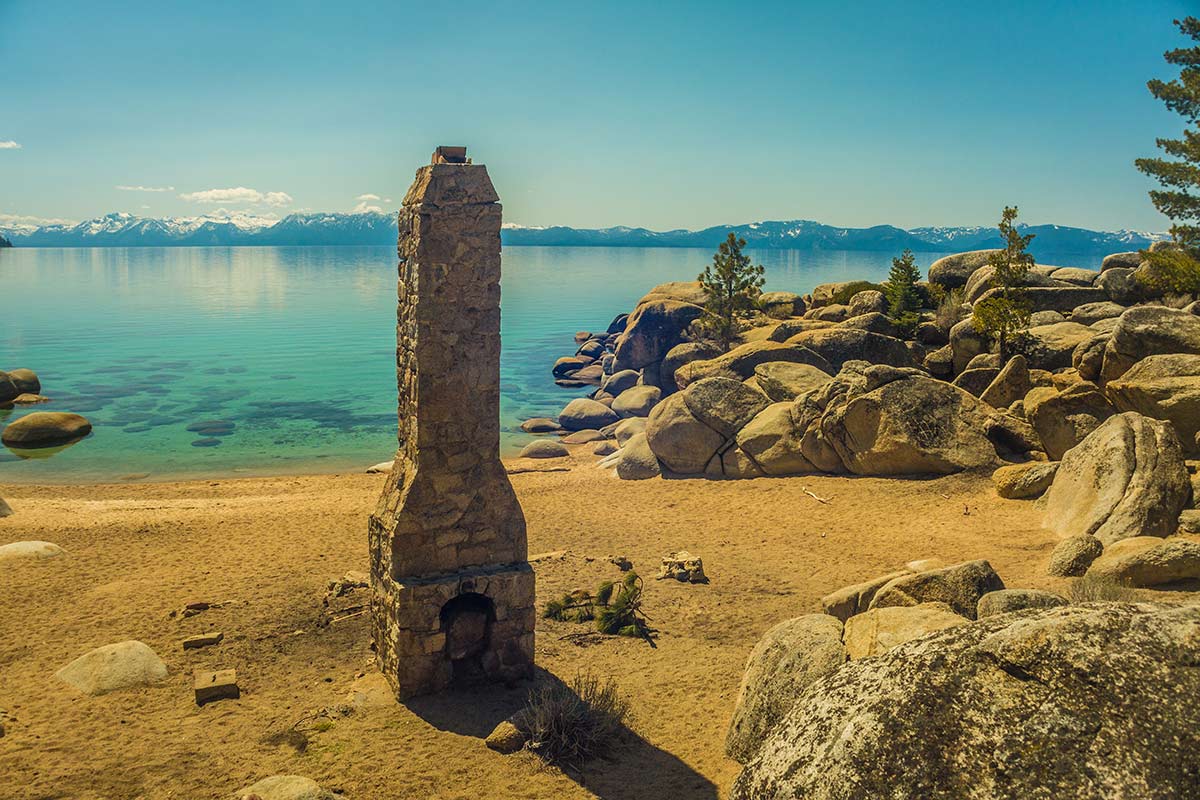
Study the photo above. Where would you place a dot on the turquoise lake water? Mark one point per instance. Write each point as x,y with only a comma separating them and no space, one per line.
295,346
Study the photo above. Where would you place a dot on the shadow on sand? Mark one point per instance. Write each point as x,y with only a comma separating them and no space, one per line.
633,769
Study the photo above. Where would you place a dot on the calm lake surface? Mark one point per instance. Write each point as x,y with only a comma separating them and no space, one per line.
295,346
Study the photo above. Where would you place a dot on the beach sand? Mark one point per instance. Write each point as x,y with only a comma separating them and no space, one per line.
265,548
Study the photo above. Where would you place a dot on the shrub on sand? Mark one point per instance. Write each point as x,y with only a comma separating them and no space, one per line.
569,724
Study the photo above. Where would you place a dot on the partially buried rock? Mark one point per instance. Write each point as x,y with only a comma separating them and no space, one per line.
1024,481
959,586
1005,601
683,567
1073,555
209,686
583,437
789,657
5,509
604,448
34,550
1070,703
382,468
45,429
123,665
544,448
285,787
880,629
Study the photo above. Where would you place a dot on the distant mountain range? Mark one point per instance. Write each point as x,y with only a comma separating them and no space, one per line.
375,228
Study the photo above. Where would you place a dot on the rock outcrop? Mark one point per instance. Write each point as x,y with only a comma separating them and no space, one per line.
1127,478
1053,703
1145,561
880,629
1164,387
959,587
1147,331
123,665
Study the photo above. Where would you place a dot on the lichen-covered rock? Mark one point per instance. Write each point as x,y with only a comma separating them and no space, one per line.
781,305
1072,556
1024,481
654,327
976,380
880,629
1005,601
1146,331
123,665
1050,347
1119,286
966,342
1142,561
867,302
680,355
839,345
783,381
959,586
1163,387
1050,703
743,359
638,461
723,404
909,427
1064,418
1090,313
952,272
1088,356
789,657
1130,260
1011,384
45,429
1127,478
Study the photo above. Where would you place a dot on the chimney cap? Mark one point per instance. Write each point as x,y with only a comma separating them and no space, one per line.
450,155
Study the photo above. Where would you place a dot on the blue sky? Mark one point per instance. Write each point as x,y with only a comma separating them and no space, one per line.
662,115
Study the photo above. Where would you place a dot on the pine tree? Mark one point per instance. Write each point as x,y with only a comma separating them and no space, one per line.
1006,312
1178,269
900,289
733,285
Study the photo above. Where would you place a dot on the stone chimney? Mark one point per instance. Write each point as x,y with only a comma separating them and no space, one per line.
453,593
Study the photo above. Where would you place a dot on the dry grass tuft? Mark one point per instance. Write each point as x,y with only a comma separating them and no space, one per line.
569,724
1094,589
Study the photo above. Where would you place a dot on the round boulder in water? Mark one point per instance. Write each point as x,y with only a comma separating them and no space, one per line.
45,429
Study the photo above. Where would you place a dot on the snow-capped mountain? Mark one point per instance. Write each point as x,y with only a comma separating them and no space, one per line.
376,228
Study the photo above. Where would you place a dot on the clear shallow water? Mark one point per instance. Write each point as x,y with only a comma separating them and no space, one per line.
294,345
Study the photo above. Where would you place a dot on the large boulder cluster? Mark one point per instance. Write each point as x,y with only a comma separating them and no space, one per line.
941,682
828,383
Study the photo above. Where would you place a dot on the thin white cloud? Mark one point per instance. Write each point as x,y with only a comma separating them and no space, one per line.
238,195
125,188
12,221
10,145
365,197
364,207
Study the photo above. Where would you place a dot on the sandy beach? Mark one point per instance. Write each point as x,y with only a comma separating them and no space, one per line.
262,550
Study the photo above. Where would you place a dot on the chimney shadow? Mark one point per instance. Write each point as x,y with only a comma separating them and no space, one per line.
634,769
